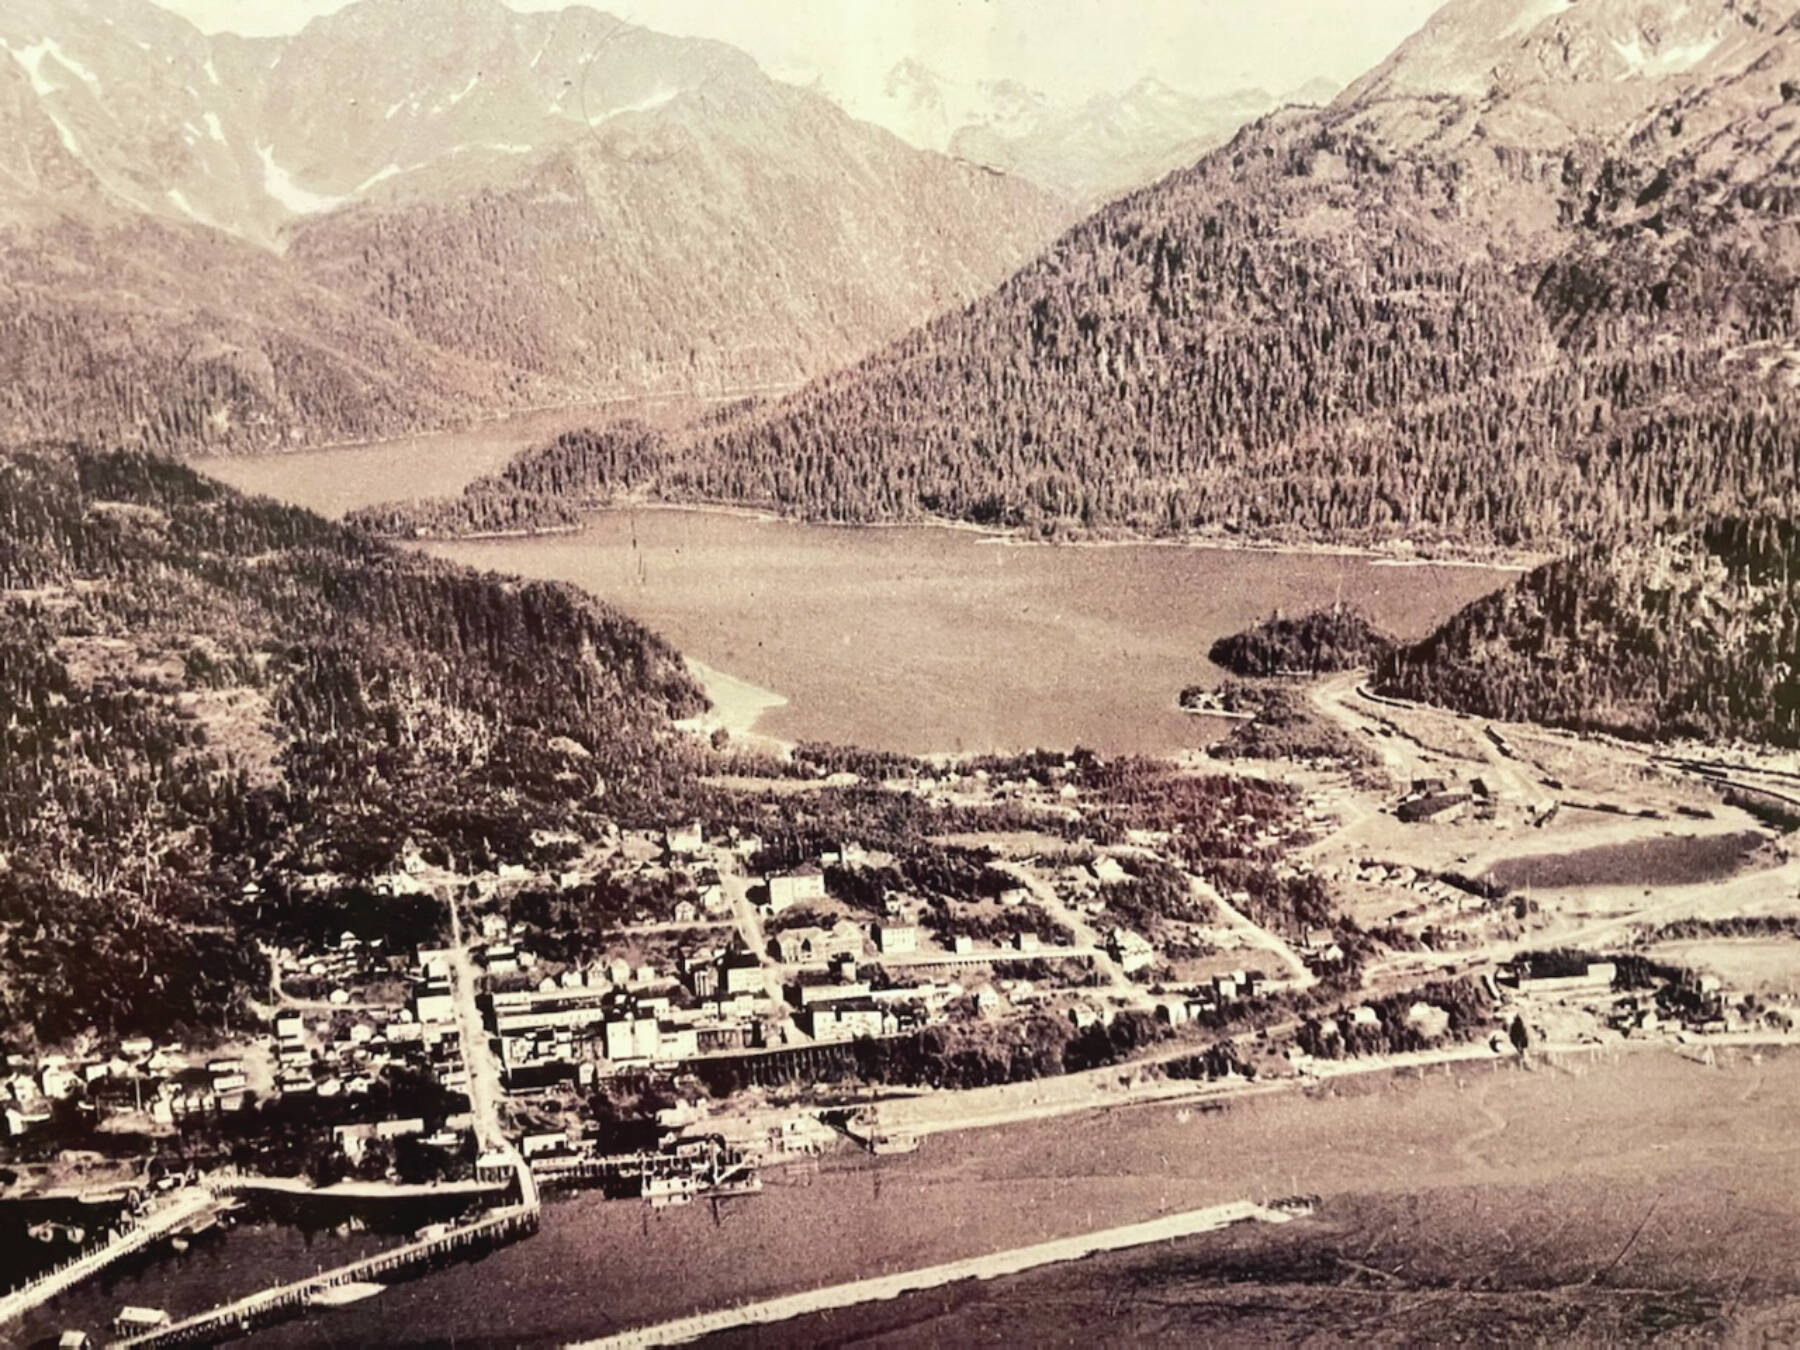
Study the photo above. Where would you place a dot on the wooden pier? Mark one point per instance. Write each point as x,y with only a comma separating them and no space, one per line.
139,1233
288,1300
707,1161
491,1230
1168,1228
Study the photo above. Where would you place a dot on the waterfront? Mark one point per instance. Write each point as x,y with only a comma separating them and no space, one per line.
268,1240
1646,1121
1492,1264
1632,1127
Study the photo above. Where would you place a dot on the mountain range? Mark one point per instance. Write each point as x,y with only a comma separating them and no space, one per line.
1088,151
403,215
1531,281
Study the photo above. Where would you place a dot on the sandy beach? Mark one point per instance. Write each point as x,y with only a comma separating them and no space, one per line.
737,705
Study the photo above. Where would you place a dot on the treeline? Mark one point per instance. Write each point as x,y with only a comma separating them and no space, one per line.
1402,1023
553,486
979,1054
1682,633
1737,926
1337,638
210,706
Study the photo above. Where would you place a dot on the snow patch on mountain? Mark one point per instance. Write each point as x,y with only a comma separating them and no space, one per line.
32,59
66,136
459,95
179,200
280,185
380,175
68,63
655,99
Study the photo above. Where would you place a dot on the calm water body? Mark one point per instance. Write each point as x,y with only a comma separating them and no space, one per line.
1710,1147
335,481
432,464
909,638
1647,1125
929,639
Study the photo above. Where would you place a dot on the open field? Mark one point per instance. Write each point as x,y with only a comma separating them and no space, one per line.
1595,836
1755,965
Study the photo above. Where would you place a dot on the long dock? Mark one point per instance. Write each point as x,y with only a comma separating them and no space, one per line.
350,1190
876,1288
172,1215
494,1229
284,1301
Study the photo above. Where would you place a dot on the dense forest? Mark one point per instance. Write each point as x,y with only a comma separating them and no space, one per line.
221,718
552,486
1686,632
180,342
1285,725
1337,638
1292,341
1311,334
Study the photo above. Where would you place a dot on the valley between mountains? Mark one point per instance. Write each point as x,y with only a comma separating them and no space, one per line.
601,652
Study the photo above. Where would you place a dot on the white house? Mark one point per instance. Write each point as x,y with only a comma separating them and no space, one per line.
793,888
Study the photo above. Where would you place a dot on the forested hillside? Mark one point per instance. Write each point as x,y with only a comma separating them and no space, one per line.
549,487
1297,339
129,330
1555,302
1338,638
221,718
1691,632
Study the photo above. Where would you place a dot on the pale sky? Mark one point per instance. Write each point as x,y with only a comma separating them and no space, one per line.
1068,49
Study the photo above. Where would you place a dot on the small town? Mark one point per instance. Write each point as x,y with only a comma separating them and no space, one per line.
752,1004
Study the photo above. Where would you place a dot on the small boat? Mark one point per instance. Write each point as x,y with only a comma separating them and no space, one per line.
52,1231
339,1295
667,1192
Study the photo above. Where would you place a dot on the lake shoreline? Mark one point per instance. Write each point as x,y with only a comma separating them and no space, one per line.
931,640
487,423
1495,561
737,706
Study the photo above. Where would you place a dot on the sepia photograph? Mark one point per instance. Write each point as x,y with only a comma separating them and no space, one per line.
899,673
